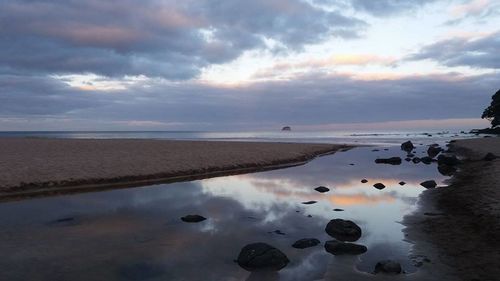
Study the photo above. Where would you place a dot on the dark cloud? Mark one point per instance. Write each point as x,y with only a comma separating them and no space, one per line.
307,100
479,53
387,7
170,39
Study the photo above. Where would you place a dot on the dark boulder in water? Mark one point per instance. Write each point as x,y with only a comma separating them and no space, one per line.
343,230
338,210
428,184
364,180
388,267
416,160
446,170
193,218
392,160
261,257
309,202
426,160
448,160
433,151
379,185
402,183
306,243
342,248
322,189
407,146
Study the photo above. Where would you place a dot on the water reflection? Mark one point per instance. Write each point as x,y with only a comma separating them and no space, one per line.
137,234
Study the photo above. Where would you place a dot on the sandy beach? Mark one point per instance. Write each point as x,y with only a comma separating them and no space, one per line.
36,166
458,227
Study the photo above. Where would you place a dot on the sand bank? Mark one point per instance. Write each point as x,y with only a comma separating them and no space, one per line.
460,233
34,167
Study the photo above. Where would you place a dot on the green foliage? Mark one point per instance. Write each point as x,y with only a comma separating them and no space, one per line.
492,112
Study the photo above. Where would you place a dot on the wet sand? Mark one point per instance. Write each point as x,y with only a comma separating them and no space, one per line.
460,232
37,167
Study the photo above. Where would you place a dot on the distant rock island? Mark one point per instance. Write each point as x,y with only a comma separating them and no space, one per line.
286,128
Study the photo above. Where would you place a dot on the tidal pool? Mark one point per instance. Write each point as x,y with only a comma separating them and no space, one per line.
137,233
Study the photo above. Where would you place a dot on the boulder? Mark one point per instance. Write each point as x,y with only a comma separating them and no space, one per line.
407,146
193,218
286,128
446,170
388,267
402,183
364,180
338,210
261,257
322,189
343,230
433,151
426,160
309,202
490,157
416,160
342,248
428,184
448,160
407,159
306,243
392,160
379,185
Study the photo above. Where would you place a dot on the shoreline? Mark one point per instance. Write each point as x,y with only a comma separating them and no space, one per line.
457,227
54,166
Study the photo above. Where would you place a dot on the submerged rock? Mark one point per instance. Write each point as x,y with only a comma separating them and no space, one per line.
379,185
306,243
391,161
428,184
407,146
261,257
364,181
193,218
416,160
309,202
402,183
342,248
322,189
338,210
343,230
388,267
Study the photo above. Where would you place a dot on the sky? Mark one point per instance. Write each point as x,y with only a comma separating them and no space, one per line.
247,65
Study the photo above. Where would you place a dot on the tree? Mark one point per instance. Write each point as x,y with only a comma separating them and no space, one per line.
492,112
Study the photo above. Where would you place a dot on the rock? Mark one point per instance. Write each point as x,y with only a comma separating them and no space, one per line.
338,210
309,216
408,159
407,146
392,160
343,230
426,160
448,160
309,202
388,267
386,149
379,185
433,151
428,184
286,128
490,157
306,243
374,150
364,180
193,218
261,257
342,248
352,164
416,160
402,183
277,232
409,155
322,189
446,170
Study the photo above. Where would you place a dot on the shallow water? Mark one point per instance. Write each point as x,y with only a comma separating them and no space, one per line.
137,234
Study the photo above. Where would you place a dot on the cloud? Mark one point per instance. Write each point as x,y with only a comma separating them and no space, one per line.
473,9
168,39
306,100
387,7
459,51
